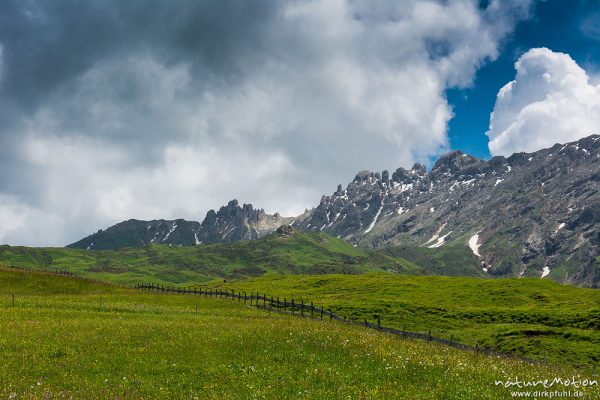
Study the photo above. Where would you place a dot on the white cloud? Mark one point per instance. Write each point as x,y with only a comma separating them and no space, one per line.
13,215
98,191
331,88
550,101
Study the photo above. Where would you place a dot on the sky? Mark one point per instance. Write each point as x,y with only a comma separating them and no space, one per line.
113,110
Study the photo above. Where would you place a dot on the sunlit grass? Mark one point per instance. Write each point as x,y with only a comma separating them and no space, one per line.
531,317
69,338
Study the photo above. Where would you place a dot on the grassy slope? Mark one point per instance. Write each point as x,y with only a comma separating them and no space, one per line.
58,343
305,253
452,259
533,317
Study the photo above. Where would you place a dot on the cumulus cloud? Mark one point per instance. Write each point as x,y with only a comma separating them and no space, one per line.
551,100
119,110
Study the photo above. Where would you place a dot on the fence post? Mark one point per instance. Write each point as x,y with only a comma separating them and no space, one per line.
321,313
271,306
404,330
451,339
429,335
245,298
378,323
239,297
257,298
312,310
293,312
284,304
302,309
251,298
265,300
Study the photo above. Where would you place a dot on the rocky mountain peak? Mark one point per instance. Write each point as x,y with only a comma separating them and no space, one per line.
419,168
457,163
234,223
137,233
530,214
362,176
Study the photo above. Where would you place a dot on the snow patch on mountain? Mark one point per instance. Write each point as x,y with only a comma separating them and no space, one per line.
374,220
473,244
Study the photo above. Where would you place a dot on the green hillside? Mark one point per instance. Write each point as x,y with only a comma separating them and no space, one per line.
297,253
71,338
453,259
532,317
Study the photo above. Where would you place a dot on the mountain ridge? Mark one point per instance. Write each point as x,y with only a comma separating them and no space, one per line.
530,214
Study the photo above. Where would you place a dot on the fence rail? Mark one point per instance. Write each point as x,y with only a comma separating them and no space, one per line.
59,271
302,309
309,310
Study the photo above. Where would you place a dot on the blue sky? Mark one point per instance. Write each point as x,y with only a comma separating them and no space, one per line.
556,24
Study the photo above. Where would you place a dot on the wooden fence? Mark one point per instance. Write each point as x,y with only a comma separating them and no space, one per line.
294,307
309,310
59,271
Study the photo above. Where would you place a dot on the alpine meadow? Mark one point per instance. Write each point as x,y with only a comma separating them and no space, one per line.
299,199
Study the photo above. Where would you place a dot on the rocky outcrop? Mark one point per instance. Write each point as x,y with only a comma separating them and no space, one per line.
233,223
535,214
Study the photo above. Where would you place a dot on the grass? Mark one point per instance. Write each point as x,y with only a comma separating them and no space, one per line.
530,317
59,342
300,253
453,259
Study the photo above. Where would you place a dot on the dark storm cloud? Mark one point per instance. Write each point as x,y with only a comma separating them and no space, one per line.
48,43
